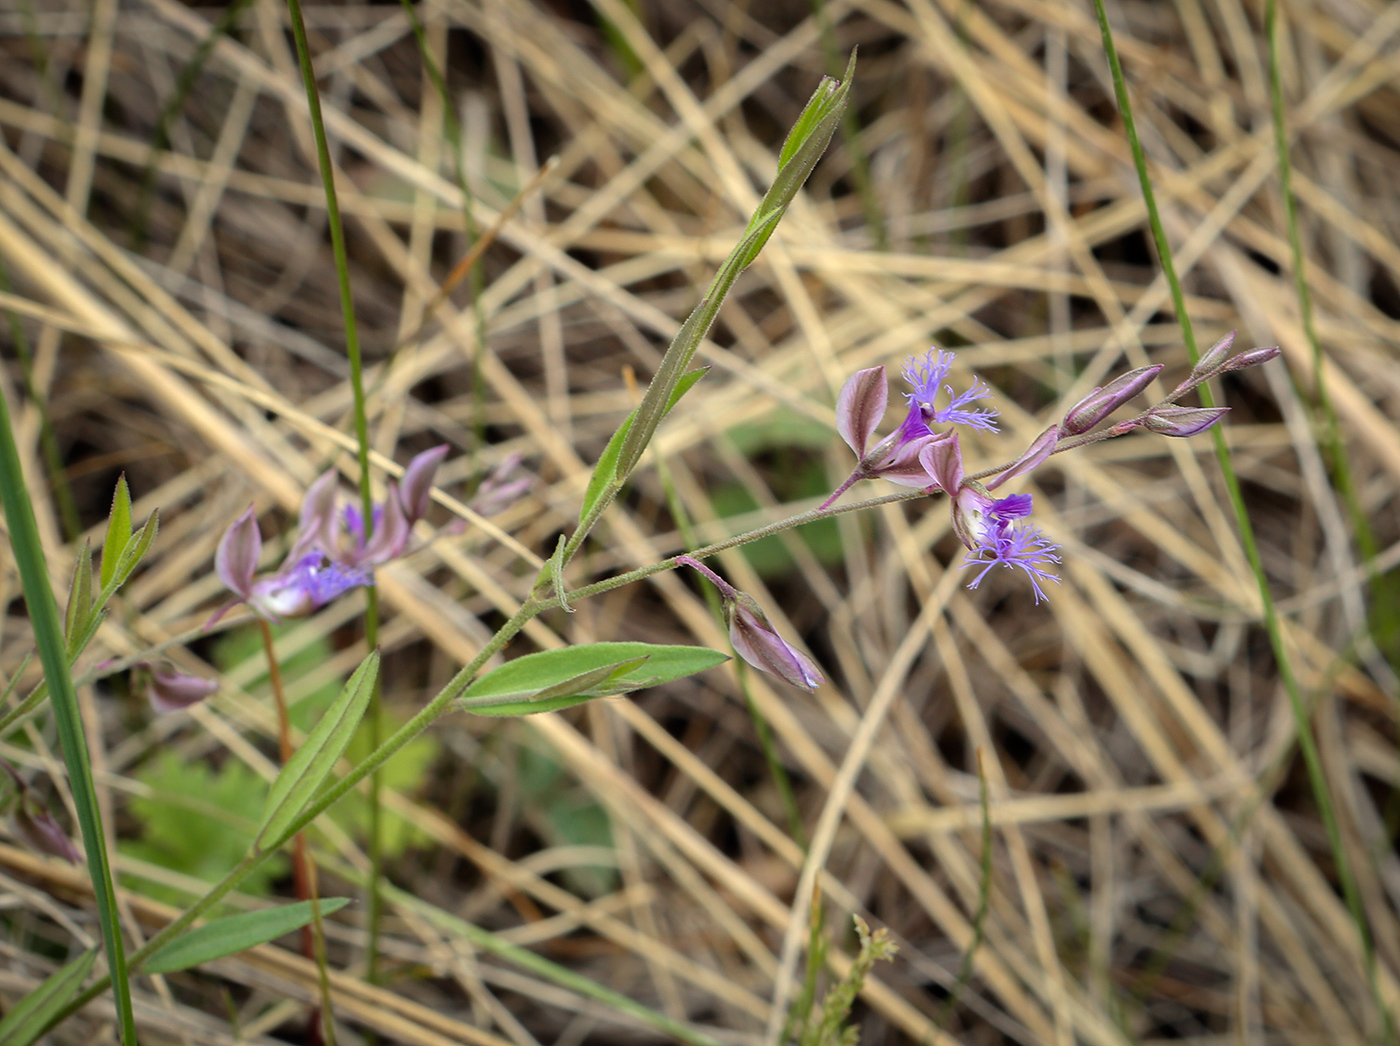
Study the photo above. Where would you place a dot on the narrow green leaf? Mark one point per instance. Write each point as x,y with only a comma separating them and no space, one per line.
29,1017
523,680
583,687
235,933
313,762
118,531
136,549
605,472
75,617
44,617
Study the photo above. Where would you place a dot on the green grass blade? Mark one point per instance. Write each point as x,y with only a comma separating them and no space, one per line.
53,655
1307,743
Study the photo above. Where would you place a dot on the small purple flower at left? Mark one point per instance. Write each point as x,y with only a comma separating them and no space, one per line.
170,690
331,554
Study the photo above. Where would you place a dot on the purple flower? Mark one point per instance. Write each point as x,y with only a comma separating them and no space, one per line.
990,527
36,825
332,553
927,375
302,585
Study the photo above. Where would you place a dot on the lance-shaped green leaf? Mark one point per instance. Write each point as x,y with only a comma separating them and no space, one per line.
28,1018
805,144
118,531
136,548
534,682
235,933
583,687
605,474
308,768
75,615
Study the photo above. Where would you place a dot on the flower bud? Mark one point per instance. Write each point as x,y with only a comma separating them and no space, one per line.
42,832
1210,362
1183,421
861,406
759,644
1100,403
417,487
498,491
1040,449
1251,358
236,559
171,690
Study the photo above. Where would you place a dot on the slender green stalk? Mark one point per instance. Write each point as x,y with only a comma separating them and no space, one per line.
1331,430
1317,777
53,655
357,389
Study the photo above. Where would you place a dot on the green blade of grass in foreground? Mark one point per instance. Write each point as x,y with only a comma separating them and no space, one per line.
1307,744
53,655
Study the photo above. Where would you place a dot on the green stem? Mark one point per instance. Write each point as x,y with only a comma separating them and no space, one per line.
357,388
1317,778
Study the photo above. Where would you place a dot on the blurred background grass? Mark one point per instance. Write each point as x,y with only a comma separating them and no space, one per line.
1159,870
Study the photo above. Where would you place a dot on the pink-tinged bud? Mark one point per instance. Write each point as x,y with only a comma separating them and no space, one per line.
1251,358
861,406
171,691
757,643
1041,448
1183,421
236,559
42,832
417,486
941,458
391,535
1100,403
1213,357
498,491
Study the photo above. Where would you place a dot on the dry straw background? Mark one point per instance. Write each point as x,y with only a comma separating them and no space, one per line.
1159,869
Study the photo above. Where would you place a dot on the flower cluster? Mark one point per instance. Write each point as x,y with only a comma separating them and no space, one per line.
995,531
332,553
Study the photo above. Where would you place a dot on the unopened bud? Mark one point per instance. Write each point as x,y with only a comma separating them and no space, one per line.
1213,357
171,690
1251,358
758,643
1183,421
1100,403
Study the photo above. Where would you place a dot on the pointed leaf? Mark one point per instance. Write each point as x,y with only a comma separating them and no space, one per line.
524,679
75,617
27,1018
308,768
135,551
575,691
118,531
235,933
